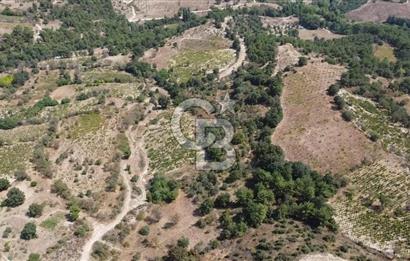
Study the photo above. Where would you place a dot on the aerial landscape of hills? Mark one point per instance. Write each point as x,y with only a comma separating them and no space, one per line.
204,130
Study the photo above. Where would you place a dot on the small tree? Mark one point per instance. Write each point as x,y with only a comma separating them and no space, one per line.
222,201
35,210
74,212
163,101
15,197
144,231
4,184
29,231
302,61
206,207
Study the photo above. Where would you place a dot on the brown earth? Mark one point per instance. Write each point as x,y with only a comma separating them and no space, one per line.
379,11
318,33
311,130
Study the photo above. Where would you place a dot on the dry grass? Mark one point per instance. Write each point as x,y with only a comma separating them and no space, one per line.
384,51
379,11
311,131
318,33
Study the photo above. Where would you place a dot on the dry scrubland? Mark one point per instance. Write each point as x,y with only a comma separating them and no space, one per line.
384,51
311,130
83,133
379,11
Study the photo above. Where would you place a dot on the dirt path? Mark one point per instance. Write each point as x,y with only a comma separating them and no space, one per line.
235,66
138,160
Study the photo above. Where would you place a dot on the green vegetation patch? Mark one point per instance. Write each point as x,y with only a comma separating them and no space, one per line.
164,152
14,157
375,204
377,125
193,63
52,222
384,51
106,76
6,81
87,123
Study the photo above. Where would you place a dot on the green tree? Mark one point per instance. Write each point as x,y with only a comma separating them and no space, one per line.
35,210
4,184
206,207
29,231
222,200
74,212
15,197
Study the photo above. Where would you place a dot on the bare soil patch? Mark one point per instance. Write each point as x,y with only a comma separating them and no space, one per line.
321,33
287,56
311,131
379,11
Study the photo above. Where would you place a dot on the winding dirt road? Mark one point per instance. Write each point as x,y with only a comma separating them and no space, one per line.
138,159
238,63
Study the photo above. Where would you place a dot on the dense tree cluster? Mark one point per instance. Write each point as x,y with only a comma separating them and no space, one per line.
162,189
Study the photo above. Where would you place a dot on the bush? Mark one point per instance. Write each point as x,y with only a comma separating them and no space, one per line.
29,231
302,61
144,231
347,115
35,210
74,212
15,197
4,184
162,189
34,257
340,103
206,206
61,189
222,201
333,89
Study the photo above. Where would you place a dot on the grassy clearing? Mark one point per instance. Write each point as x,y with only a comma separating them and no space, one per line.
164,152
375,123
6,81
87,123
384,51
374,207
189,64
14,157
52,222
106,76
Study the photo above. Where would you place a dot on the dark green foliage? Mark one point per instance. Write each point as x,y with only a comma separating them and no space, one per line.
35,210
205,207
340,103
29,231
261,47
162,189
144,231
4,184
333,89
347,115
222,200
15,197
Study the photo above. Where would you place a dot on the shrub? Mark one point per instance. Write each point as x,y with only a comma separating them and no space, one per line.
34,257
4,184
74,212
206,207
347,115
144,231
15,197
61,189
162,189
35,210
29,231
333,89
222,201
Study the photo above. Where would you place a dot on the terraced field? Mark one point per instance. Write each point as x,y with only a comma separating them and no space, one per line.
377,125
374,209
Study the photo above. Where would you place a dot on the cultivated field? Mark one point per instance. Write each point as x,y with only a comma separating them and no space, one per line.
287,56
374,208
379,11
311,131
